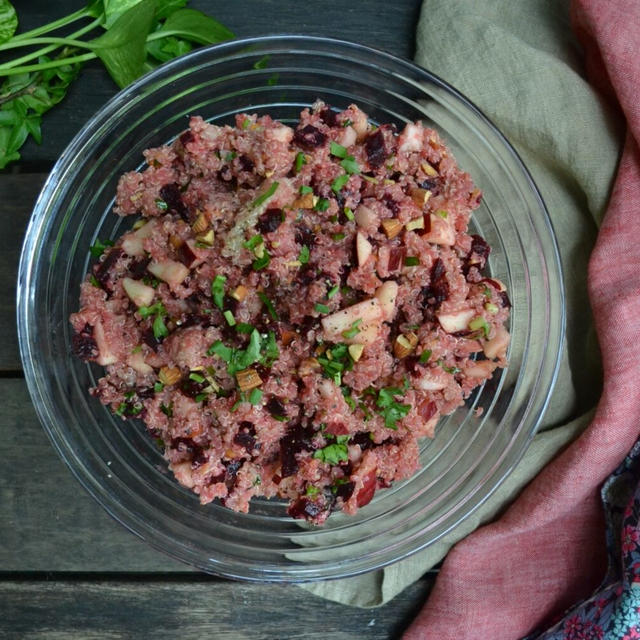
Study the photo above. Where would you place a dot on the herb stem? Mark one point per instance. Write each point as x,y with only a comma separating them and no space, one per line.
46,65
32,42
44,51
56,24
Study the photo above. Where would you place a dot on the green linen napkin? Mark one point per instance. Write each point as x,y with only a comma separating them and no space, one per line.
518,61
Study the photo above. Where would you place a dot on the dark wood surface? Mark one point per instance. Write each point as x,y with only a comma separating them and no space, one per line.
66,569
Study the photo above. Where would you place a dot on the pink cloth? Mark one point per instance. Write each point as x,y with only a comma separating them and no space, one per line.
548,550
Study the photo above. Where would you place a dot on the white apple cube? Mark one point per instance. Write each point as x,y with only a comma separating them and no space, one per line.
140,294
368,312
170,271
456,321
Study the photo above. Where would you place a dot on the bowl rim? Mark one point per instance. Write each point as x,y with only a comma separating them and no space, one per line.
38,218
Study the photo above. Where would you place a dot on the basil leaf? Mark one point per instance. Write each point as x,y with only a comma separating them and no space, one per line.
113,9
122,48
168,48
8,20
195,26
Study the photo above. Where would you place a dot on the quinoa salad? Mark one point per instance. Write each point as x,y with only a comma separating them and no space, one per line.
293,307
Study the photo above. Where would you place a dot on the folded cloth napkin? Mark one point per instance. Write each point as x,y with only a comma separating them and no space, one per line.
547,551
519,61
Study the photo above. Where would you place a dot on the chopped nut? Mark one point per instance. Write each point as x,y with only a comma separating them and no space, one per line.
169,375
248,379
405,344
293,263
309,366
206,238
428,169
392,227
201,224
420,196
304,202
175,241
416,223
288,337
268,174
240,293
355,351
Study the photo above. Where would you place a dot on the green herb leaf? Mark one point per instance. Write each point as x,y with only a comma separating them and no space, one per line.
196,377
332,292
159,328
253,242
217,290
424,356
350,165
270,351
333,453
311,491
261,263
158,387
218,348
411,261
94,281
304,255
98,248
321,308
243,327
300,161
349,214
266,195
339,183
352,331
228,316
8,20
255,397
338,237
337,150
269,305
390,409
122,48
161,204
304,189
321,205
157,308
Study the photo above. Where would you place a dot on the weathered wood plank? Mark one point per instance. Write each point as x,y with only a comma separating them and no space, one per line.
17,195
204,609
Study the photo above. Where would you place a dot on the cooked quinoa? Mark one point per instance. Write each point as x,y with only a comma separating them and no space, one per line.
294,307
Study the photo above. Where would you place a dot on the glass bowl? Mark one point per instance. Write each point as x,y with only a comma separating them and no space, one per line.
120,465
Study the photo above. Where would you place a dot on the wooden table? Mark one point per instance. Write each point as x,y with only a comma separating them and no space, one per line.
67,569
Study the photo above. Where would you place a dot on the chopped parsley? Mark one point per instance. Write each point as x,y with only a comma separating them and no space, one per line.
245,123
244,327
300,161
157,308
258,350
266,195
99,247
304,255
304,189
269,305
332,292
442,213
312,491
424,356
353,330
349,214
167,410
338,184
217,290
321,308
452,370
334,453
262,262
335,361
389,408
159,328
480,323
161,204
201,397
229,156
350,165
255,397
321,205
158,386
94,281
253,242
347,123
337,150
411,261
338,237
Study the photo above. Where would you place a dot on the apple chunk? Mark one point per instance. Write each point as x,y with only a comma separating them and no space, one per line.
141,294
387,294
497,346
363,248
172,272
133,242
456,321
368,312
441,231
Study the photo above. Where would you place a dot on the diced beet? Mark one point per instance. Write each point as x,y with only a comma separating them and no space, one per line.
363,438
477,256
427,226
391,204
149,338
309,136
411,363
186,138
83,344
246,163
427,409
396,258
365,495
102,270
296,440
186,255
375,148
145,392
304,236
138,268
438,290
270,220
194,451
506,303
328,116
191,388
172,195
246,436
305,509
306,275
275,407
437,270
345,490
231,473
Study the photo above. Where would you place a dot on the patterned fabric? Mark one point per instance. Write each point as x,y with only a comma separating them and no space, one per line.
613,612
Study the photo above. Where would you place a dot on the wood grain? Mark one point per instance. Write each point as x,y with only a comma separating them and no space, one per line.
206,608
